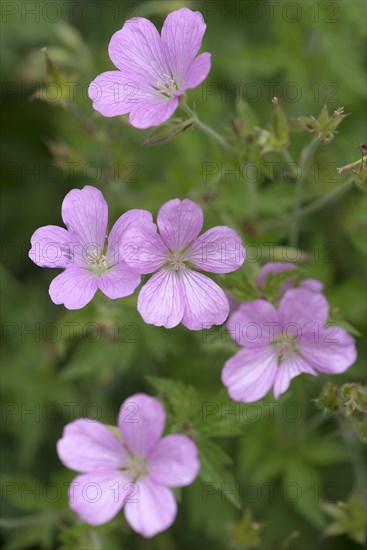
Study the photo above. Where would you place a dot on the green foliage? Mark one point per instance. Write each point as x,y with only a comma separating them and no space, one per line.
49,378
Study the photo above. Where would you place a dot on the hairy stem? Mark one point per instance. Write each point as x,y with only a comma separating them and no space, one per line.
306,156
205,128
314,206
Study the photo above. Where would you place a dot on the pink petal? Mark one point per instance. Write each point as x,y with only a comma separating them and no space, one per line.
287,370
182,35
219,250
206,303
97,497
154,511
250,373
114,93
131,218
161,300
174,461
274,268
85,213
152,112
254,323
51,247
180,222
143,250
198,71
304,309
87,446
312,284
331,350
141,423
136,50
74,287
118,281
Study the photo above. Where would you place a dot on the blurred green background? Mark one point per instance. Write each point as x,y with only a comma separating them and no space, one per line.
60,365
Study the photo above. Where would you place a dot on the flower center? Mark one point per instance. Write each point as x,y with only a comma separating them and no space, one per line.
285,349
97,262
167,87
176,260
137,466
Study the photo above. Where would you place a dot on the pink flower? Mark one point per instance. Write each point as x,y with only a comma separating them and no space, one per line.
136,473
153,70
282,343
278,267
177,293
89,263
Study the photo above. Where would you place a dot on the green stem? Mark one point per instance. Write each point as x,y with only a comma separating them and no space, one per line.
205,128
314,206
326,199
306,156
252,192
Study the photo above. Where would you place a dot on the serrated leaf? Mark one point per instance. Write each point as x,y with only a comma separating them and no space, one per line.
213,461
240,286
274,283
182,400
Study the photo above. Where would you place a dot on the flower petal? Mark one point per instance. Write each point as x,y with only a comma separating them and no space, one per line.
304,309
137,51
287,370
161,301
141,423
198,71
119,281
182,35
254,323
180,222
312,284
143,250
331,350
113,93
219,250
152,112
85,213
131,218
88,445
74,287
206,304
97,497
174,462
154,509
250,373
52,246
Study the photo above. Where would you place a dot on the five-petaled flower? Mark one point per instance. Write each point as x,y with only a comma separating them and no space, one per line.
136,473
90,260
154,70
177,292
282,343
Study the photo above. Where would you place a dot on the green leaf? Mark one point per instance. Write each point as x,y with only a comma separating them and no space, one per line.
301,487
274,282
182,401
96,359
213,461
240,286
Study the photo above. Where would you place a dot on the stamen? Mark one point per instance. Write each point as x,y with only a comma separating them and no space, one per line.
167,87
176,260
